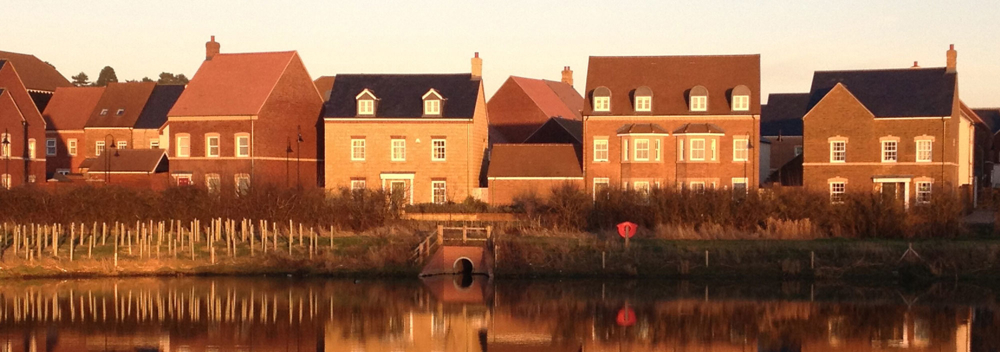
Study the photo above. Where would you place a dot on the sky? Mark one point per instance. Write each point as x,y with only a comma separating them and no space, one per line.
528,38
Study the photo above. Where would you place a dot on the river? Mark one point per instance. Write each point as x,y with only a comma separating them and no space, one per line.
187,314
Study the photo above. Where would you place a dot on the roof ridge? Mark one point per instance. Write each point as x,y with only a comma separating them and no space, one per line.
885,69
673,56
258,53
402,74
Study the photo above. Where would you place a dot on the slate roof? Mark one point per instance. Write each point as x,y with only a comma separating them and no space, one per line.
324,85
783,114
670,78
154,114
131,96
535,160
641,128
990,116
910,92
71,107
232,84
558,130
131,160
35,73
689,128
401,96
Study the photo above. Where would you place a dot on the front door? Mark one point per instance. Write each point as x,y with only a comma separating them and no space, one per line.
399,188
893,189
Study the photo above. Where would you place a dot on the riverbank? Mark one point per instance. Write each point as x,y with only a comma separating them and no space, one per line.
554,257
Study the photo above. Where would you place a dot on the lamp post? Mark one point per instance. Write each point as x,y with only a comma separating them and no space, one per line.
298,159
107,157
288,151
6,158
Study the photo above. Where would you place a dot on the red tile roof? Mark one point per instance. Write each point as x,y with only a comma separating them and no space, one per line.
233,84
553,98
71,107
131,97
670,78
35,73
130,160
534,160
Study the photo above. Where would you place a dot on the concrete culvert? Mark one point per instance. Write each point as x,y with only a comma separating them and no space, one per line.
463,266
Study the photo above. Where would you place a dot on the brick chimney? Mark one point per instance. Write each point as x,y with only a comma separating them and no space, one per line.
567,75
915,65
952,59
211,49
477,66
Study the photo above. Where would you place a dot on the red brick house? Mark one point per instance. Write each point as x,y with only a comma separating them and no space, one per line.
532,170
901,132
39,78
672,121
22,128
66,116
522,105
781,125
246,119
129,116
422,135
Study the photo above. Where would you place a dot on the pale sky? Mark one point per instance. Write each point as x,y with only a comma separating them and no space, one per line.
529,38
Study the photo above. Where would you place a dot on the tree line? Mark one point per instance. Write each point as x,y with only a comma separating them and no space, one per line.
107,75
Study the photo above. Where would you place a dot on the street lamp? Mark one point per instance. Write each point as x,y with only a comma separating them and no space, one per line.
6,158
107,158
298,159
288,151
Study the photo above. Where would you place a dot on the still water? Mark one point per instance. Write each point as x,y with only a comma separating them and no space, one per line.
452,314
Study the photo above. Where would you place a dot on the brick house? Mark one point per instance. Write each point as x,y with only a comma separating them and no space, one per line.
146,168
22,128
66,116
424,135
522,105
532,170
671,121
902,132
781,125
39,78
130,116
246,119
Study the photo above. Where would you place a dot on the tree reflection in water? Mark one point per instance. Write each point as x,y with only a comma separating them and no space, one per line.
477,314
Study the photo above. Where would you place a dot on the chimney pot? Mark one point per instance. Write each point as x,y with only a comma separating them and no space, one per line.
567,75
477,66
915,65
211,49
952,57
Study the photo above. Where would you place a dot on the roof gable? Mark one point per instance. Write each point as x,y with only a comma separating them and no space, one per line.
546,96
233,84
324,85
783,114
35,73
912,92
670,78
558,130
11,81
71,107
154,114
535,160
130,160
400,96
130,98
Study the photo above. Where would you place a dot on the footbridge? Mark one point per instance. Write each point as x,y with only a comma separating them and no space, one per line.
457,250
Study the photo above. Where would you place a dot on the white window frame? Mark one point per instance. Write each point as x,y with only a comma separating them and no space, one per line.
925,147
641,149
32,148
657,149
644,103
208,183
838,156
890,155
697,186
397,145
715,150
924,196
121,145
624,149
442,189
5,149
366,107
741,103
183,149
699,103
740,181
358,149
837,191
71,146
358,184
120,112
100,147
601,151
104,112
6,181
741,149
600,181
641,186
432,107
692,157
236,182
602,104
439,152
240,139
681,150
208,145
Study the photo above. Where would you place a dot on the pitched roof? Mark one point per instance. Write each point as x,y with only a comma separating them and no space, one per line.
558,130
131,160
990,116
690,128
35,73
130,97
535,160
71,107
670,78
324,85
783,114
154,114
401,96
232,84
555,99
641,128
910,92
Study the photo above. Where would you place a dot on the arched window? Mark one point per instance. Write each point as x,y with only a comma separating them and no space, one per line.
741,98
602,99
698,99
643,99
366,103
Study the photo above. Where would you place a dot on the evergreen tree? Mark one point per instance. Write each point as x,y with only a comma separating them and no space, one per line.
106,76
81,80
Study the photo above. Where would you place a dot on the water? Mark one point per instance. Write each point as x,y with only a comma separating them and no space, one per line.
448,314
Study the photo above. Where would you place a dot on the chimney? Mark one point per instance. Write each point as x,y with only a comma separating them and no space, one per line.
477,66
952,58
567,75
915,65
211,49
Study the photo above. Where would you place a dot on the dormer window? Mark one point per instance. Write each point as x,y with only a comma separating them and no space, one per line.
698,99
120,112
366,103
104,112
643,99
602,99
741,98
432,103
